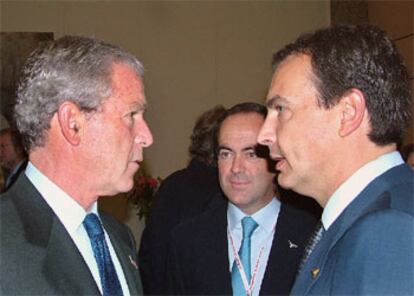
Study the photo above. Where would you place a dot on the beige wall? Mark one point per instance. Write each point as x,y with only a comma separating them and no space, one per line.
197,53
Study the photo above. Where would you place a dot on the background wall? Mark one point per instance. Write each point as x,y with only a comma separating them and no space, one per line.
197,53
200,53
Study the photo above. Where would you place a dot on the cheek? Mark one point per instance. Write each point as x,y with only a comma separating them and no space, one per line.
223,169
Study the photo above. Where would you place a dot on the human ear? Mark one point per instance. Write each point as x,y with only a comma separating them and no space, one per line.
352,108
70,119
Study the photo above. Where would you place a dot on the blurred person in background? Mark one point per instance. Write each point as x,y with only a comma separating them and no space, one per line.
184,194
13,156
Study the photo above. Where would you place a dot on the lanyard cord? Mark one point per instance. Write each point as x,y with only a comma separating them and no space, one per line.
248,287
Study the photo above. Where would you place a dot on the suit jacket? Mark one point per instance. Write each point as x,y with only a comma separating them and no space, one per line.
15,176
182,195
199,263
38,256
369,249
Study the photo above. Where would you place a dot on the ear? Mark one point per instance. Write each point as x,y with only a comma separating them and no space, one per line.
70,119
352,110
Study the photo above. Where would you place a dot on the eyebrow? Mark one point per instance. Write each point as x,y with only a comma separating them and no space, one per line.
244,149
273,101
223,148
138,106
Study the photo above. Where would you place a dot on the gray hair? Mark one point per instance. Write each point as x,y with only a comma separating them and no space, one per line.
72,68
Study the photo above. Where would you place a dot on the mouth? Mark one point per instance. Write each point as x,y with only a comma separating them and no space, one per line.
135,164
279,160
237,184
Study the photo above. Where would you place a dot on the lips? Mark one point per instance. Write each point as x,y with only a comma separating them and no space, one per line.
238,183
134,164
280,161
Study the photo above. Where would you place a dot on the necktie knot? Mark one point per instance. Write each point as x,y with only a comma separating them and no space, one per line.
249,226
93,226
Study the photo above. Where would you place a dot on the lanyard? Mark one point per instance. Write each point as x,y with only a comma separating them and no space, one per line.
247,286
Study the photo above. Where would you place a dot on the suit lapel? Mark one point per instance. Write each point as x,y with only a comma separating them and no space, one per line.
374,197
127,258
287,246
63,267
216,246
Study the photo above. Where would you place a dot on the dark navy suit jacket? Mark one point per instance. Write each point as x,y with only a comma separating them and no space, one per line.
198,262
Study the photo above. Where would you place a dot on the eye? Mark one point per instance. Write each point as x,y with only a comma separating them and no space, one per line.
280,108
251,154
223,154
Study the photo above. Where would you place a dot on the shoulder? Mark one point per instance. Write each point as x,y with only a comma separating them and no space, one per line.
379,247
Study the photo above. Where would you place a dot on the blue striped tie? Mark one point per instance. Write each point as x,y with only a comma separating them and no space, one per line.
109,279
249,225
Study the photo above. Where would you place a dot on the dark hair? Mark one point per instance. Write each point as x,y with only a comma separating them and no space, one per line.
247,107
241,108
202,139
363,57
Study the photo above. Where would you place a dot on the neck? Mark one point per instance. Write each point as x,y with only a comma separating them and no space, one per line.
62,172
348,165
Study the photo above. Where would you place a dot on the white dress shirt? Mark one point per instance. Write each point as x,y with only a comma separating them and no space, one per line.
262,237
71,214
350,189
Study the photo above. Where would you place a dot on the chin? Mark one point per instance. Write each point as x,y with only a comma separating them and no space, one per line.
283,181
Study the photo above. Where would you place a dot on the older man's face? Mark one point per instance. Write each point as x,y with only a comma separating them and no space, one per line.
117,135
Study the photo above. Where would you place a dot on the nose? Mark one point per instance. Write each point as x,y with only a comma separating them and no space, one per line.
267,133
143,134
237,165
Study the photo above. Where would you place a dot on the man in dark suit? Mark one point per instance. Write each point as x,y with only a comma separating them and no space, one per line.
12,155
184,194
206,253
80,112
338,106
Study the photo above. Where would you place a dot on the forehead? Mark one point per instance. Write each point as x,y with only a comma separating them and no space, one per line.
240,128
292,77
127,85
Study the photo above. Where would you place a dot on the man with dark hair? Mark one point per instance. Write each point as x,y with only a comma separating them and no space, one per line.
182,195
12,155
250,245
338,106
80,112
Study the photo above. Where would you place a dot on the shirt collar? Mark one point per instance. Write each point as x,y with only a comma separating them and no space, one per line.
69,212
265,217
350,189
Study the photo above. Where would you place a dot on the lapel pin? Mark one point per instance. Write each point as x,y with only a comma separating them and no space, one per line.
315,272
133,262
292,245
